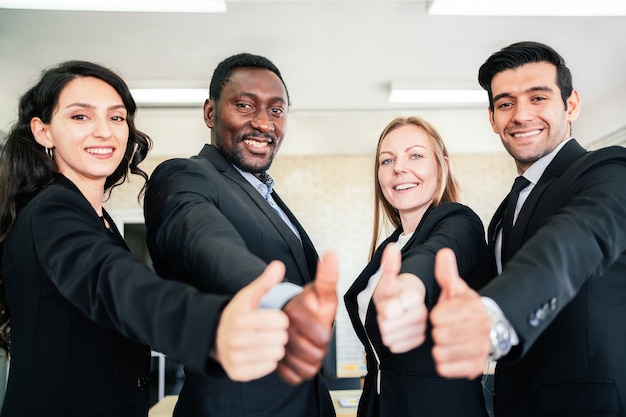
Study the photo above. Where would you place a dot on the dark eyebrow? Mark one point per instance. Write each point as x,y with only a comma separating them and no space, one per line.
255,97
89,106
544,88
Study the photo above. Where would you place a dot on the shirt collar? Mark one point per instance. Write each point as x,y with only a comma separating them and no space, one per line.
536,170
264,188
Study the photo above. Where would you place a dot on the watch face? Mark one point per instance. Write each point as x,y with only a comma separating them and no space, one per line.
500,340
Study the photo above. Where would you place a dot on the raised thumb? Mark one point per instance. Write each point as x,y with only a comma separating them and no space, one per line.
327,275
447,275
390,264
250,296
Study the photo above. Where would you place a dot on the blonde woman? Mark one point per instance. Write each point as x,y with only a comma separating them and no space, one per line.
417,194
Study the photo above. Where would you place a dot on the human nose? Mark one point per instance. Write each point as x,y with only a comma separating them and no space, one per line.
522,112
102,128
399,166
262,122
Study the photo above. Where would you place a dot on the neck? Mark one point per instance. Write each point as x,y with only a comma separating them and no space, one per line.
92,190
411,220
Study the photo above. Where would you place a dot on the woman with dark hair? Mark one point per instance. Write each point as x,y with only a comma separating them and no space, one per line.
388,304
77,309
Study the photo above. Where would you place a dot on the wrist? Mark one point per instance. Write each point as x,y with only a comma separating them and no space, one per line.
502,335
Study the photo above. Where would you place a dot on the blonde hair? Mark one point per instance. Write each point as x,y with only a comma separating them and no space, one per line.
448,189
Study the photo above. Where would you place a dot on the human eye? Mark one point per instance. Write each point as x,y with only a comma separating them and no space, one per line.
79,117
277,111
243,106
504,104
385,161
416,156
118,118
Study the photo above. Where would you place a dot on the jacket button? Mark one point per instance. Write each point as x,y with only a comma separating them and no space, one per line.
142,383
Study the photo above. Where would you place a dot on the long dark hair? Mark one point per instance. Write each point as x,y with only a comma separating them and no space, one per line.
25,168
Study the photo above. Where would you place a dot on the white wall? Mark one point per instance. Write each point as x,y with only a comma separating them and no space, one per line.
602,117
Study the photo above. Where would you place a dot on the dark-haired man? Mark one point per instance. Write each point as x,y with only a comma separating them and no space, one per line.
554,317
215,222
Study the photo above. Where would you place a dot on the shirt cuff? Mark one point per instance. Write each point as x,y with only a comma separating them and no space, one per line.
279,295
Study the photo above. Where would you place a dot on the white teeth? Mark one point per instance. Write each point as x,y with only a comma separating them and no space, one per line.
405,186
525,135
255,143
100,151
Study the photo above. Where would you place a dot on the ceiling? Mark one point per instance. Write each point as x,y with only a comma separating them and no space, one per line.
335,56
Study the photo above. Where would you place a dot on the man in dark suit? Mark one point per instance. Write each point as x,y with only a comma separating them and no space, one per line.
554,318
215,222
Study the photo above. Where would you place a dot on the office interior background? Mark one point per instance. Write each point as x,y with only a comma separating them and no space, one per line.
339,59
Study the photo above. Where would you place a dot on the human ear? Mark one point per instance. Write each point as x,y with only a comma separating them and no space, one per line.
209,113
40,132
573,106
492,120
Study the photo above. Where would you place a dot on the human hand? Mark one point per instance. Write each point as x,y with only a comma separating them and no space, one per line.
311,316
400,306
249,341
461,325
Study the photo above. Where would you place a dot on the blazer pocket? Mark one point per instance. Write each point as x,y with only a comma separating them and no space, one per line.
596,397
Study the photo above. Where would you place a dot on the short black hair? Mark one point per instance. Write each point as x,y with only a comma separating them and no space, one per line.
521,53
224,70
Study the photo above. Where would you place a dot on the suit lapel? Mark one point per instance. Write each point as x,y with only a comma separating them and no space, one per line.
307,258
359,285
563,160
308,262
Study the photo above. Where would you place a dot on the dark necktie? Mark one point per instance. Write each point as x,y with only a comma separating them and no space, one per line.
507,222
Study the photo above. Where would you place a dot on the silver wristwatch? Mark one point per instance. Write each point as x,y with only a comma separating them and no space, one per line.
500,334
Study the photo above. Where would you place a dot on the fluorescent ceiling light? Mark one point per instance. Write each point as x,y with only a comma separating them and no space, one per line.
401,93
528,7
172,6
170,96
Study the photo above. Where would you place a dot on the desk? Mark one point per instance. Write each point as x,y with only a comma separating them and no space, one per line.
165,407
352,394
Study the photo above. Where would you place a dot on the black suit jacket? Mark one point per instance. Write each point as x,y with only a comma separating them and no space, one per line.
207,226
564,291
410,385
82,307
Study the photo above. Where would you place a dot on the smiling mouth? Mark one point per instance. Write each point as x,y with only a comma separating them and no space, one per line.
404,186
99,151
256,143
527,134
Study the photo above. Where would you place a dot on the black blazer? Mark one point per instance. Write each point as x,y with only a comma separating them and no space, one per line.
564,291
81,305
410,385
207,226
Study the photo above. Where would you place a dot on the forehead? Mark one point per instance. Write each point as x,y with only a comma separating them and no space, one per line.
525,77
406,136
259,82
87,90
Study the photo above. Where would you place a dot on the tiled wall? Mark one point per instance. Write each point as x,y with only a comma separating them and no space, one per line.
333,199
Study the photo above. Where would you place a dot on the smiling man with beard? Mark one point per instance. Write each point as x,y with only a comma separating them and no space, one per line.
215,222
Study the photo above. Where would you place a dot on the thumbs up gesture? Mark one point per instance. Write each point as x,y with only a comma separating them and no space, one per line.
461,325
311,317
250,341
399,301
